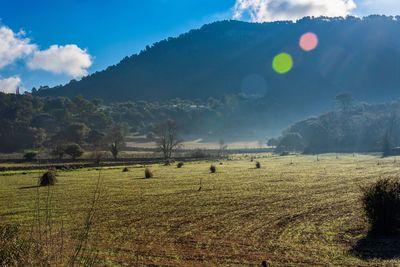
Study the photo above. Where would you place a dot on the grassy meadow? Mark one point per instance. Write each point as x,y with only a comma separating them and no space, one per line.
294,211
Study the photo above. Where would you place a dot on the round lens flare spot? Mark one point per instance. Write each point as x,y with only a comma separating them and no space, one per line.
282,63
308,41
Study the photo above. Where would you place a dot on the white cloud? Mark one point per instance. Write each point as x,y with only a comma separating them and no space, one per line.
387,7
68,59
272,10
13,46
9,85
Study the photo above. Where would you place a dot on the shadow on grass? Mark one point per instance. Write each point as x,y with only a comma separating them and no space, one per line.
377,247
29,187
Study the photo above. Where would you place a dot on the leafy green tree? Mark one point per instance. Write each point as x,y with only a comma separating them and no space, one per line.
75,132
30,156
292,142
74,151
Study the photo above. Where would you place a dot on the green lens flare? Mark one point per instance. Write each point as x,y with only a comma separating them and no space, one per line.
282,63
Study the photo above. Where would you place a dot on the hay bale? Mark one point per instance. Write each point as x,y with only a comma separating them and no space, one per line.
48,178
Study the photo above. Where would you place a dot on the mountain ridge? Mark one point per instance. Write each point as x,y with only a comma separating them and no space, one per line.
359,56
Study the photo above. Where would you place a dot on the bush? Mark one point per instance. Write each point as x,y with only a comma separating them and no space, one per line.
381,203
125,169
180,165
48,178
30,156
13,249
147,173
258,165
213,169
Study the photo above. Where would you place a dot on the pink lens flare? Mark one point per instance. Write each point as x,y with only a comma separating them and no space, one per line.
309,41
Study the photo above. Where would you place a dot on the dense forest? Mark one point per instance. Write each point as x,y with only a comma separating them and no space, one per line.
356,55
30,122
357,128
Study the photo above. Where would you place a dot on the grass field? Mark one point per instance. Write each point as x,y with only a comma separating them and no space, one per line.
294,211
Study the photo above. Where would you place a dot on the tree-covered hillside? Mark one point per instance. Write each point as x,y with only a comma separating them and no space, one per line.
29,122
360,128
360,56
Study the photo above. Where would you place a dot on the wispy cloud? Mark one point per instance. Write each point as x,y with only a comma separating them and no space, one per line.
68,59
9,85
272,10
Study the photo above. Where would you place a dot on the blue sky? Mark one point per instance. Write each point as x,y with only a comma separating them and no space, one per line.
45,42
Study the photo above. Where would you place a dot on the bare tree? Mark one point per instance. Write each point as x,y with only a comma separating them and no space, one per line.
116,137
168,138
345,101
222,147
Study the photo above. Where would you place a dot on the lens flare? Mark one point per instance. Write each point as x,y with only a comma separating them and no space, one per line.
282,63
308,41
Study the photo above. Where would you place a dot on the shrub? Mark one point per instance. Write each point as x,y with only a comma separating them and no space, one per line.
125,169
30,156
147,173
14,250
213,169
258,165
381,203
48,178
180,165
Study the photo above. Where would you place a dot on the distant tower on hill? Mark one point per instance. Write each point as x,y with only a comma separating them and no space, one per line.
17,91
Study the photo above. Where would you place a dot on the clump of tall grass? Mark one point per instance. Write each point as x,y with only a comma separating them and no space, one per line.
48,178
258,165
148,173
213,169
381,202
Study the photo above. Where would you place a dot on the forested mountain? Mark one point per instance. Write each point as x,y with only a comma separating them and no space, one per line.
360,56
360,128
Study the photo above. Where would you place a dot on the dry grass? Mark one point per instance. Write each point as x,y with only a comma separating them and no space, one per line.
295,211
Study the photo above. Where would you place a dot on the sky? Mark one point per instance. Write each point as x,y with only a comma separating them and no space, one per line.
49,42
